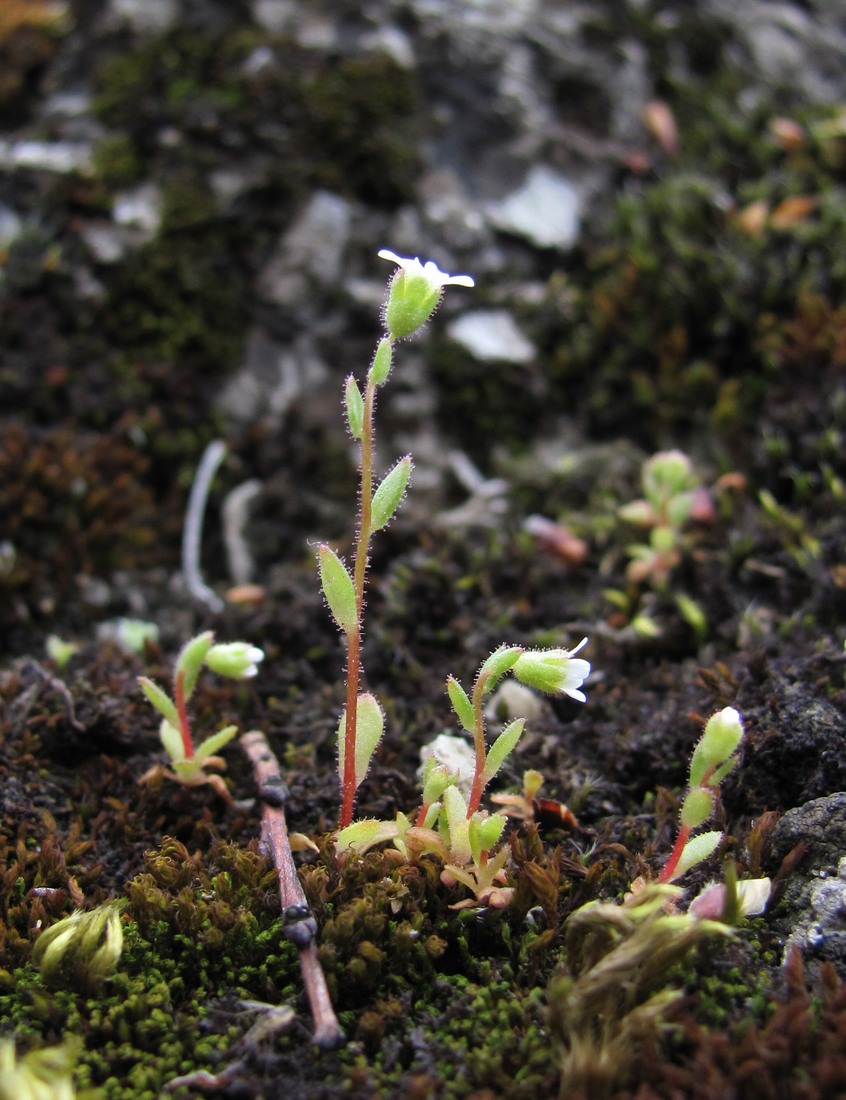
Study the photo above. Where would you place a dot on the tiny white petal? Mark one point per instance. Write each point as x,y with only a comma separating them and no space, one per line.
428,271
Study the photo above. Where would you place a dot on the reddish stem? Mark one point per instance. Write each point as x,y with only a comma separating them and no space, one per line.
481,752
182,712
359,579
669,868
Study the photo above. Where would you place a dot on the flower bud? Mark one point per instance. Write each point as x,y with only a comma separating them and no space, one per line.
239,660
712,757
415,293
554,671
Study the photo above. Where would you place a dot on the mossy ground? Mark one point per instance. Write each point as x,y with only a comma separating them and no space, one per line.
679,324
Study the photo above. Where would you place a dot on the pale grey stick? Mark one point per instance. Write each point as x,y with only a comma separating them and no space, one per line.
192,532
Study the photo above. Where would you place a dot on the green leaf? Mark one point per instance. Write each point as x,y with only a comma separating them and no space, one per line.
369,727
501,748
461,704
362,835
190,659
484,831
382,362
502,660
338,589
216,741
171,738
355,407
697,807
387,497
454,818
697,848
160,700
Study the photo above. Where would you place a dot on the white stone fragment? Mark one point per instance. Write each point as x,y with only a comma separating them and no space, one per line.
50,156
140,208
311,249
492,335
545,210
147,16
513,700
454,753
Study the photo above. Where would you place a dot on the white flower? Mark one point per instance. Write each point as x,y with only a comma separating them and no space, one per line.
428,271
555,671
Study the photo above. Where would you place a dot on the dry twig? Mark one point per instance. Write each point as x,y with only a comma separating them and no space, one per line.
298,920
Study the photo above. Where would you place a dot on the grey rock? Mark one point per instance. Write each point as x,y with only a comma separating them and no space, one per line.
492,335
545,210
310,252
140,208
272,376
812,913
799,753
820,825
146,16
60,157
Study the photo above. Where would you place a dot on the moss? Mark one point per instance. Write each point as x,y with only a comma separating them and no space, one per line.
670,312
116,162
343,123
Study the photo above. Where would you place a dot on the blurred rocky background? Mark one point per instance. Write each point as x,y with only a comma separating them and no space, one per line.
650,196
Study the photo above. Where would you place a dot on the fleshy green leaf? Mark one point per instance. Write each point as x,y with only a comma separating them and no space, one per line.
457,827
171,739
382,361
355,407
160,700
190,659
496,666
387,497
697,848
461,704
484,831
721,739
369,726
338,588
216,741
501,748
697,807
362,835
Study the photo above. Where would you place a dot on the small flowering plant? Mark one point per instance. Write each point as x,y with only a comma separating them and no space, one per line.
414,293
188,762
449,821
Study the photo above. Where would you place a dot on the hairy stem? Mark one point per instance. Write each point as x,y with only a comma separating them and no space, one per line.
359,580
479,745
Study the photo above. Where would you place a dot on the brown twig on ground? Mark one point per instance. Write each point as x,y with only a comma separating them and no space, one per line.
297,918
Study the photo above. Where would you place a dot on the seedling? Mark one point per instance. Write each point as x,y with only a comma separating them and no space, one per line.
672,497
188,763
712,760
